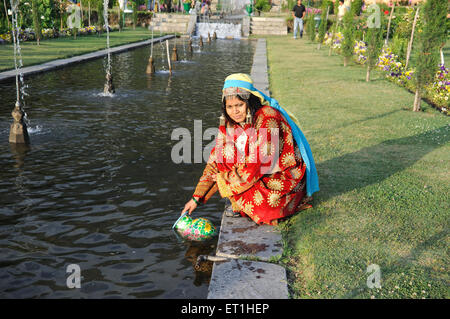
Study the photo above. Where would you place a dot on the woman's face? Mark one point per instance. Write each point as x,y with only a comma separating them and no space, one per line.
236,109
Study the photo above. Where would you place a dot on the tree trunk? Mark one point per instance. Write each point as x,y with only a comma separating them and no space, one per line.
89,13
318,46
417,99
346,58
81,9
332,36
6,13
368,74
412,38
118,17
61,14
389,24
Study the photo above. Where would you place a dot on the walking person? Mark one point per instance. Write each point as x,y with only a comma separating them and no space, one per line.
298,12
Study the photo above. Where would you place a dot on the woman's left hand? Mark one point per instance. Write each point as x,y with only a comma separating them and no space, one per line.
190,206
214,177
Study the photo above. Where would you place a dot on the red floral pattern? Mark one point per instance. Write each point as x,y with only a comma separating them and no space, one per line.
265,177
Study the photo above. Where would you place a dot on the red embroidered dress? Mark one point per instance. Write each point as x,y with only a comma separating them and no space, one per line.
258,183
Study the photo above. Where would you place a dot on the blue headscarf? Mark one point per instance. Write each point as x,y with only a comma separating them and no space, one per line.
312,181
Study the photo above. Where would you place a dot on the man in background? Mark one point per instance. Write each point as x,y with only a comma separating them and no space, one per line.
298,13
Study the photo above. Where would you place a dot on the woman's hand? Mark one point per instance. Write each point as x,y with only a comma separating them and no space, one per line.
214,177
190,206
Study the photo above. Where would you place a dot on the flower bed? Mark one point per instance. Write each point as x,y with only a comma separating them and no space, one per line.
359,50
29,35
436,93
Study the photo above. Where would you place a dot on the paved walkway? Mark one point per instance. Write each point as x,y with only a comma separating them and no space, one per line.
252,277
55,64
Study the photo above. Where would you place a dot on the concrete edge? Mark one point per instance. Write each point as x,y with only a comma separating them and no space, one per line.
60,63
259,74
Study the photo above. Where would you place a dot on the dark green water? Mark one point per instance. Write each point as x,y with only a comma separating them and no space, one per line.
98,187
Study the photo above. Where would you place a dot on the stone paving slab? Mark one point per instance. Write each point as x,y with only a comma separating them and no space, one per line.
243,279
51,65
241,237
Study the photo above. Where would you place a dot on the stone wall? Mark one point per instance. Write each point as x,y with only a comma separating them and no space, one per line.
268,26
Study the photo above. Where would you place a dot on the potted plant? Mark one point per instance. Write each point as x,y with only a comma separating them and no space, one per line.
187,5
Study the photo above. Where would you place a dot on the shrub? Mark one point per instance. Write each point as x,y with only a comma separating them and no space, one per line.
433,35
348,32
356,7
310,27
263,5
323,22
399,46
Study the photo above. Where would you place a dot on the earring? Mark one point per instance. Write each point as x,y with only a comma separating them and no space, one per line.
222,120
248,117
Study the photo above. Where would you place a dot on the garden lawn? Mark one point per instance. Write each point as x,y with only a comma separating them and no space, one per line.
384,180
52,49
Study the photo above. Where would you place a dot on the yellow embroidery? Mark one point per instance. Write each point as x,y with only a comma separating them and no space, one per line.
248,209
269,111
298,156
288,160
267,149
275,184
296,174
272,126
274,198
258,198
224,189
289,139
228,151
240,203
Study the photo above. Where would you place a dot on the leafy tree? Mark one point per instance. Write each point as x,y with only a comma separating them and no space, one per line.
36,20
262,5
100,17
356,7
430,40
349,38
135,14
374,45
323,22
311,27
49,10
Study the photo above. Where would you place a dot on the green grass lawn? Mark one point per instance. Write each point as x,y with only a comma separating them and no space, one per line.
384,179
59,48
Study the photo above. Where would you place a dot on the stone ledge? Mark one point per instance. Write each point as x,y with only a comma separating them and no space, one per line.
244,279
241,237
55,64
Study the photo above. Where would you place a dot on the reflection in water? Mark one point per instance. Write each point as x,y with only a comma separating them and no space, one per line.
203,273
98,187
19,151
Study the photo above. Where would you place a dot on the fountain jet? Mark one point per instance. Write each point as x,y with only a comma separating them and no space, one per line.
109,86
151,64
18,133
190,45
